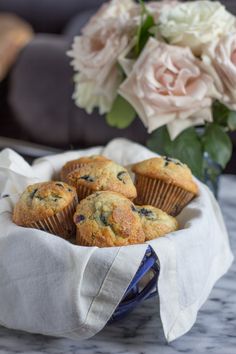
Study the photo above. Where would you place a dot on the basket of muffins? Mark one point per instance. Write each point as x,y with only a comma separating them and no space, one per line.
95,202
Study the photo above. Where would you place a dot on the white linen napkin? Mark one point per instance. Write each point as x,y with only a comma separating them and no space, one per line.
50,286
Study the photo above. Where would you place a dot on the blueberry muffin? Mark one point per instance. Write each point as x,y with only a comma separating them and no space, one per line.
155,222
101,176
82,161
47,206
165,183
106,219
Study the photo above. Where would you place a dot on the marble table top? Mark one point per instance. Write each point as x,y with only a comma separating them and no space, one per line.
141,332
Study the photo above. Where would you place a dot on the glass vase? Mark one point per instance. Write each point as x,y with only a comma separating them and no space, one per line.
211,174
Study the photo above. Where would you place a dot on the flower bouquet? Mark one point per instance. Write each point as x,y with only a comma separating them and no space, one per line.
170,63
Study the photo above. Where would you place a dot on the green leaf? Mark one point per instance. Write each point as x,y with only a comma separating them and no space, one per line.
224,116
232,120
121,114
218,144
160,142
220,113
143,33
187,147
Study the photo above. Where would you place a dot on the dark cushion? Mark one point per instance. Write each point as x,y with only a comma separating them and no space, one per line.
40,89
74,26
41,98
52,15
48,15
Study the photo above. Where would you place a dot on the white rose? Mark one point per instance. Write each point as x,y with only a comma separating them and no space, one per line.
193,24
156,7
167,86
220,61
89,95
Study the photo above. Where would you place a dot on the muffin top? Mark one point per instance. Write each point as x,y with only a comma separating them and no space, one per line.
89,159
169,170
41,200
73,164
106,219
155,222
103,176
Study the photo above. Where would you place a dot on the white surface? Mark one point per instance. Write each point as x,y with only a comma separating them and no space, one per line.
50,286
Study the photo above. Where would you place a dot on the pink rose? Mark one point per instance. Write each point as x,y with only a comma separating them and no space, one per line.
114,9
167,86
95,54
105,36
220,61
96,51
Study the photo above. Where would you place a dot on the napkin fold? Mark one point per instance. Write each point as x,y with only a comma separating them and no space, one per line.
52,287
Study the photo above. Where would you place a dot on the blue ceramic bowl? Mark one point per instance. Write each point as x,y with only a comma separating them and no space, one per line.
139,289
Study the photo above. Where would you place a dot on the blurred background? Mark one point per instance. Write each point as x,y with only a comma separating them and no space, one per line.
36,79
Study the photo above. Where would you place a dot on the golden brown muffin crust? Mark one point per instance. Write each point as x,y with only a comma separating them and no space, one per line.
74,164
42,200
169,170
103,176
155,222
106,219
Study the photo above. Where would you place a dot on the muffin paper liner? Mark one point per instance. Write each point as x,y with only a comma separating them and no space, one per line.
60,224
84,191
81,241
70,168
167,197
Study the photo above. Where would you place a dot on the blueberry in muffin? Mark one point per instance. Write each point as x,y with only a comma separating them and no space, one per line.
155,222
